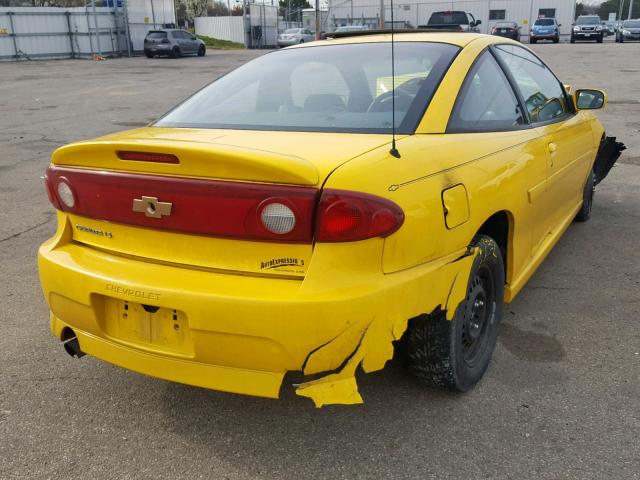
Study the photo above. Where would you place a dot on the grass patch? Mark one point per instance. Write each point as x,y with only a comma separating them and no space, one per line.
220,44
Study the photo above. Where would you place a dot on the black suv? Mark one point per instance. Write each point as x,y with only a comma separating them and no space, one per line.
587,27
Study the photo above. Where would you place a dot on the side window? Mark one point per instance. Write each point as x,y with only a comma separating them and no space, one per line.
544,97
486,101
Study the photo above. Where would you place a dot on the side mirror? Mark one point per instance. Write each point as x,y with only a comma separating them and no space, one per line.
478,22
559,25
586,99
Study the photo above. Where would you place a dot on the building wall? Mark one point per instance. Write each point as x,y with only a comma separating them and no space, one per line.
418,12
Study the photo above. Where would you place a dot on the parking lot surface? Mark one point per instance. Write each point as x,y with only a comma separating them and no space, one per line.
561,399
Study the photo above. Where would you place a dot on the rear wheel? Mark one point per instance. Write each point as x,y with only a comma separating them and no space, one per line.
455,354
148,54
584,213
175,52
201,51
573,40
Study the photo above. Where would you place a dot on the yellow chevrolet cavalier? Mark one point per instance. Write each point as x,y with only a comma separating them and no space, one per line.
270,223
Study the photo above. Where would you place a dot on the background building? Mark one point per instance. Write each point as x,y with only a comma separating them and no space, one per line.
417,12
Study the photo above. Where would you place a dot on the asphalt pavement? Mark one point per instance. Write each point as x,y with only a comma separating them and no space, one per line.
561,399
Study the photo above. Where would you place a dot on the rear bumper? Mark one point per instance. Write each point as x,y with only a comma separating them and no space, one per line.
587,36
246,332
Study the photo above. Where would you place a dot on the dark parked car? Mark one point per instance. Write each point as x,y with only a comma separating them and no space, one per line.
172,43
628,31
545,29
507,29
587,27
452,20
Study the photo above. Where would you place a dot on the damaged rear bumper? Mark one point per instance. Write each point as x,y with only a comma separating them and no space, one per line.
245,333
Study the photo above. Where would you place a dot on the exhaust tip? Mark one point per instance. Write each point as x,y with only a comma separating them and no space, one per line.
71,344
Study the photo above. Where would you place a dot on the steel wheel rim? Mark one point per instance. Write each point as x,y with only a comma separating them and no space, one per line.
479,316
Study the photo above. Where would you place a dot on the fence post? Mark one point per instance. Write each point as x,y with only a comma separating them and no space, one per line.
68,15
13,34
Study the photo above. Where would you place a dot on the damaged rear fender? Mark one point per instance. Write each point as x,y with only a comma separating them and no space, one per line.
369,342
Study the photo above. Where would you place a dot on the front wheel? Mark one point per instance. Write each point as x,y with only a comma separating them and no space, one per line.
573,40
600,38
454,354
584,213
201,51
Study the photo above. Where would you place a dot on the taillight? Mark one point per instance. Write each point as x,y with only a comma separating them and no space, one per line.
242,210
345,216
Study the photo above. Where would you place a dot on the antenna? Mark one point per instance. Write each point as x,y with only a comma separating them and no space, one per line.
394,151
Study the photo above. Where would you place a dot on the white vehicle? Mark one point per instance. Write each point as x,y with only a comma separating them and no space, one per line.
351,28
295,36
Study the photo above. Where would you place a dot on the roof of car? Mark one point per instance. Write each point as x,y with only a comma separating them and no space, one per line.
454,38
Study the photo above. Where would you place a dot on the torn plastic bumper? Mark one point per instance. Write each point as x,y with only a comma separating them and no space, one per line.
369,344
608,153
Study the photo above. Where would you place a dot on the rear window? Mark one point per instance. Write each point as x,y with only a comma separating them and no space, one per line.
632,24
338,88
292,30
157,35
506,25
449,18
545,22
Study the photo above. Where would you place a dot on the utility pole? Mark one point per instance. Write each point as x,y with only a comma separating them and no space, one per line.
317,19
630,9
381,14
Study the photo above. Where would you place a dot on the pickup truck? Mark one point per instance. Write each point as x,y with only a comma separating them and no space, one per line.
455,20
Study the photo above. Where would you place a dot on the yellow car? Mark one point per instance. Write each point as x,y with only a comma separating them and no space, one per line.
288,218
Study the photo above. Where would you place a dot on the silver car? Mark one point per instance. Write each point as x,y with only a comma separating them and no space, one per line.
294,36
172,43
628,31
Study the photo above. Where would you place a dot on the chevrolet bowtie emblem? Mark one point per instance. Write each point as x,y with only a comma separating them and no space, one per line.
151,207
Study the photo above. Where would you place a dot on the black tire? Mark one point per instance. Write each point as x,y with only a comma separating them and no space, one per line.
455,354
600,39
587,198
532,40
621,39
301,40
573,40
148,54
556,40
202,50
175,52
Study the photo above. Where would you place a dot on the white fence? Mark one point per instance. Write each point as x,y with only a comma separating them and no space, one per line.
79,32
50,32
222,28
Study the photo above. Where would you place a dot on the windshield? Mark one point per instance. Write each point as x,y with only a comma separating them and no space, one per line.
337,88
292,30
631,24
449,18
544,22
588,21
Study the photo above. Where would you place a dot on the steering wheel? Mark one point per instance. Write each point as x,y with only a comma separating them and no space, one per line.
384,102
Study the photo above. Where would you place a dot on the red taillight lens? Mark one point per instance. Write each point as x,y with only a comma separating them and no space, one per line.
345,216
148,157
198,206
